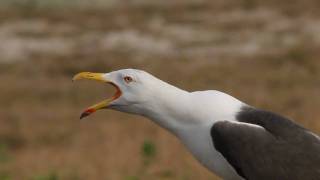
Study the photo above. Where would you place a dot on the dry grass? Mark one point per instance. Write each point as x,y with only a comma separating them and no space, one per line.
40,134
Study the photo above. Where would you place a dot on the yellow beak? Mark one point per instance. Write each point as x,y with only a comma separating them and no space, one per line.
102,104
89,75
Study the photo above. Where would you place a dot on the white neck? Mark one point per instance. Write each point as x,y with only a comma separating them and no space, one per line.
171,107
175,109
167,105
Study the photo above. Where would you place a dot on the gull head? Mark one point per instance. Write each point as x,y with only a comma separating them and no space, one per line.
133,90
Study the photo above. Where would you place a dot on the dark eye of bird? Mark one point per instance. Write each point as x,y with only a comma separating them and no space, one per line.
127,79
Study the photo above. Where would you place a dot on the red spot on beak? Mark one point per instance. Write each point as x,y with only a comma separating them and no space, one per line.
87,113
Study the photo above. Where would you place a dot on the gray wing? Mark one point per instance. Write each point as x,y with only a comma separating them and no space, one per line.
266,146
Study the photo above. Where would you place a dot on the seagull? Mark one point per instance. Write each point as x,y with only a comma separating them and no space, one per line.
234,140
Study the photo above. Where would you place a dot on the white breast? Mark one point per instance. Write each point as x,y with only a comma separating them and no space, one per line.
210,107
199,142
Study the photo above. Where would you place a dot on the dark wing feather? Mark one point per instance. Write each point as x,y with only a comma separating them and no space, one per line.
266,146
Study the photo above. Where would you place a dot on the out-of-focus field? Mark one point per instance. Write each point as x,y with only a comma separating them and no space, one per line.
264,53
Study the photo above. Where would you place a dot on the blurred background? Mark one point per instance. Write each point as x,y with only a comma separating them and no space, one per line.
266,53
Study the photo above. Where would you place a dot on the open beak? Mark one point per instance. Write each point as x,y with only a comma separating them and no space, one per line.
103,104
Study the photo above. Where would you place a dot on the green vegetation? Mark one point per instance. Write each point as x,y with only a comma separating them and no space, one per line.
49,176
132,178
4,154
148,149
5,175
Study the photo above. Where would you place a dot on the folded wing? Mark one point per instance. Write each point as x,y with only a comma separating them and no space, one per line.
262,145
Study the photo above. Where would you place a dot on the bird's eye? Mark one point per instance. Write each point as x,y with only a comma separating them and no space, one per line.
127,79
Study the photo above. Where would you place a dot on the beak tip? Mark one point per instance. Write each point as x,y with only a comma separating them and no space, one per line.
86,113
80,75
83,115
76,77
